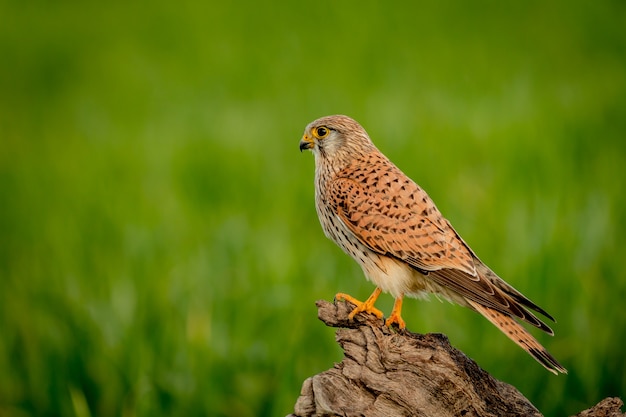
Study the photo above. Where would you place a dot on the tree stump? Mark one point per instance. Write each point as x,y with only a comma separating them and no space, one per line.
388,372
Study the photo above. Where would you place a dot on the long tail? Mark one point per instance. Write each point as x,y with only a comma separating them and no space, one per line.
519,335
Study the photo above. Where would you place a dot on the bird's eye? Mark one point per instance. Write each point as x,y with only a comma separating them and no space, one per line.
321,132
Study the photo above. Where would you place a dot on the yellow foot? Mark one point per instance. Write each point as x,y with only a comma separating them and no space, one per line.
362,307
395,315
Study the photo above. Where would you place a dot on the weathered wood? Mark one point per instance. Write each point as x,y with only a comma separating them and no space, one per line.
608,407
398,373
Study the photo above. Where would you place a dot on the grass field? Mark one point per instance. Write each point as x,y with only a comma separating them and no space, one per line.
159,248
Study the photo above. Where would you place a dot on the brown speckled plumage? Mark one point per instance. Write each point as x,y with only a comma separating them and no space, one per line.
392,228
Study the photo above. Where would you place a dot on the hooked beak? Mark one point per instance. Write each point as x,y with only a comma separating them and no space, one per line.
306,143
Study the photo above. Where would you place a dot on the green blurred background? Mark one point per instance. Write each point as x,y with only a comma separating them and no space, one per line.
159,248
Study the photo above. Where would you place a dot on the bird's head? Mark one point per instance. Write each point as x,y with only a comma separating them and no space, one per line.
336,138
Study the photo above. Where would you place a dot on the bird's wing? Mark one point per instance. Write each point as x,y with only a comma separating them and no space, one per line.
394,216
391,215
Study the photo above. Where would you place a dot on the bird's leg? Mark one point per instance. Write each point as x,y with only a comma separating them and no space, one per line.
396,314
367,306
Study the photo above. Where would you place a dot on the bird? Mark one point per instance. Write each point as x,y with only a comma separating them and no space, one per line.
391,227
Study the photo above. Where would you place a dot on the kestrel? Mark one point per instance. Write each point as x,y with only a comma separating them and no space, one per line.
392,228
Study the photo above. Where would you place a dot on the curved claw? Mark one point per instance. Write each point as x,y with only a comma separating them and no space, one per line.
395,315
362,307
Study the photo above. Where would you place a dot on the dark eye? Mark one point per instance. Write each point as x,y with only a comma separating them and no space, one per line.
321,132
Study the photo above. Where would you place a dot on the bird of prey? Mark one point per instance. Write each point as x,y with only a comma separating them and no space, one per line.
391,227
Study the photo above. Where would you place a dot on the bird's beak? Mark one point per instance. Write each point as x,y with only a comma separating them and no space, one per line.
306,142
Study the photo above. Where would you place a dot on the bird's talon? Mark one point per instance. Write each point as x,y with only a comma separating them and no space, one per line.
395,316
366,306
395,319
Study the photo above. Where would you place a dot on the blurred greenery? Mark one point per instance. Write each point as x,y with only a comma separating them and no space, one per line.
159,248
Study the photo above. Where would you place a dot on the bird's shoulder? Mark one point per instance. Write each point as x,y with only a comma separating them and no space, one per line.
373,180
390,213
